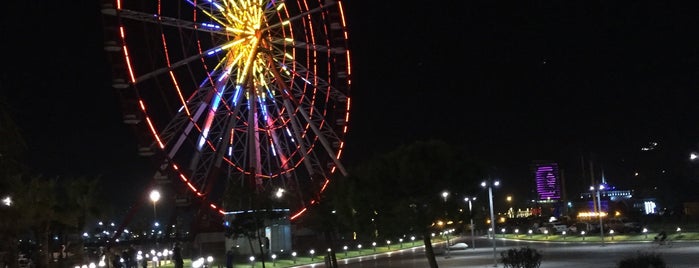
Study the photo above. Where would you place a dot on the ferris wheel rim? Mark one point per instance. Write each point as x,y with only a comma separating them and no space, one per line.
299,71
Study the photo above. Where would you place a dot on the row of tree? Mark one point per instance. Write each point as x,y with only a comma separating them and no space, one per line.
400,192
37,209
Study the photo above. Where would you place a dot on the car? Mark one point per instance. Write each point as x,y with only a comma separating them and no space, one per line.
553,228
624,225
578,227
458,246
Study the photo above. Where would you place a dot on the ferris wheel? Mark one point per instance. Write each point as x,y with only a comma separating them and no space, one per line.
236,96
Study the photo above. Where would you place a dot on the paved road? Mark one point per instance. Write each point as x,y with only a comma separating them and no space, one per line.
555,254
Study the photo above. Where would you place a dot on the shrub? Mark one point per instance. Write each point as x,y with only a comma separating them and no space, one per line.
643,260
524,257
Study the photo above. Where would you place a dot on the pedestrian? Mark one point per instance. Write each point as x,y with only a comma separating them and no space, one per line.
229,258
116,261
177,255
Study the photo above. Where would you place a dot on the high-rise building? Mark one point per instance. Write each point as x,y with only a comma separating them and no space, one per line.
548,182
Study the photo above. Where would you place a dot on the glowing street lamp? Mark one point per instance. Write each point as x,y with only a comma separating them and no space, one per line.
470,214
7,201
490,183
445,194
611,232
154,197
599,210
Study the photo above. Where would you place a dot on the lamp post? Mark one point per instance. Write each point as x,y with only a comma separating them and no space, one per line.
154,196
599,210
470,213
490,184
445,194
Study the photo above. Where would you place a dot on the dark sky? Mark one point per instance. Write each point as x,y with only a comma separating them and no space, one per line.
509,83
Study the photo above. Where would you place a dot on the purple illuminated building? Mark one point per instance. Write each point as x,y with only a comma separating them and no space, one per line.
547,181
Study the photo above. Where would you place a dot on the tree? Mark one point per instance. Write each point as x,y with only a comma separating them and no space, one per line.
405,190
12,152
37,199
83,200
42,208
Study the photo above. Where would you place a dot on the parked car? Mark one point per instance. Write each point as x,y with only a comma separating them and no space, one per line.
553,227
577,227
623,225
458,246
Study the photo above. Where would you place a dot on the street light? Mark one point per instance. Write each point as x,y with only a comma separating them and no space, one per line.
154,196
599,210
445,194
490,184
470,213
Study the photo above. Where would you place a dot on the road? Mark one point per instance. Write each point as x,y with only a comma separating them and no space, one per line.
555,254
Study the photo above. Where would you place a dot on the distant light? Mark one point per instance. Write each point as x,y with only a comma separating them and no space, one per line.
280,193
7,201
693,156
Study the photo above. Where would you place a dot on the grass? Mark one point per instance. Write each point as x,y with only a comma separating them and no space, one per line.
300,260
318,258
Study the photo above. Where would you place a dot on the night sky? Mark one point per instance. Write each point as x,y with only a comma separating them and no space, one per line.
508,83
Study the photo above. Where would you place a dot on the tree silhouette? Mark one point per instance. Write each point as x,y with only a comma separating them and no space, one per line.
399,192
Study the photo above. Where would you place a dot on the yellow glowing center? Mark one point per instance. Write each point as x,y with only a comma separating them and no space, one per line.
243,20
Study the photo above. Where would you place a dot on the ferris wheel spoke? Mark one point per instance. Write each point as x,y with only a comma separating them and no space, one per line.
300,16
319,83
167,21
300,45
300,141
186,61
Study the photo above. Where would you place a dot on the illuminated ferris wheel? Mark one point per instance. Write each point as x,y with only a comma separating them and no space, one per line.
237,96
